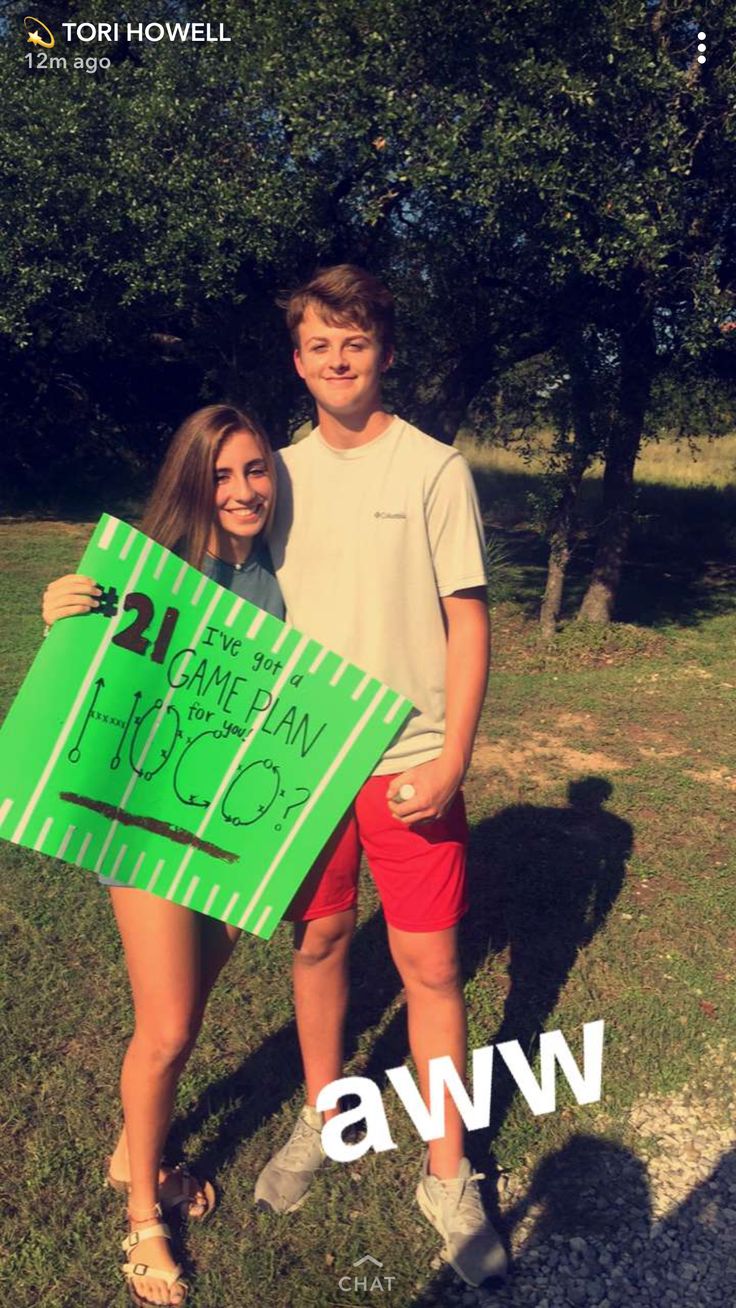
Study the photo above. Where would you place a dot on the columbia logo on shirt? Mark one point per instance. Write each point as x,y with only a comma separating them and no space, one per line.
380,514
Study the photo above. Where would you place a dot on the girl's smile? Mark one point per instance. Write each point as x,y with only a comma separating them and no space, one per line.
243,494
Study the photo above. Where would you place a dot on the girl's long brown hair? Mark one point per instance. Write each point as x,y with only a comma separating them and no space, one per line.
180,510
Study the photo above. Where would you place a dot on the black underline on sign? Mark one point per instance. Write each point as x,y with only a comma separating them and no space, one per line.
178,834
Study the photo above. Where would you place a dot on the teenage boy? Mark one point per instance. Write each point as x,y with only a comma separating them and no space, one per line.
378,547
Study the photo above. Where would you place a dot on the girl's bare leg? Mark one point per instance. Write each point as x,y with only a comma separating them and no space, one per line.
163,945
217,941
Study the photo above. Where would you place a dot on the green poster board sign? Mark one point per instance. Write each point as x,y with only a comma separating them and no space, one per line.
183,741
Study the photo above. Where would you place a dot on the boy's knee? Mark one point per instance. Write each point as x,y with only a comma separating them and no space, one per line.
440,975
321,940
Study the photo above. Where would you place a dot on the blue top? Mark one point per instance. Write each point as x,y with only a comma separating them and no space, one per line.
253,580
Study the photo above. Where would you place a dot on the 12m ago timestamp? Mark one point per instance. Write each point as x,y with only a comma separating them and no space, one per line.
49,63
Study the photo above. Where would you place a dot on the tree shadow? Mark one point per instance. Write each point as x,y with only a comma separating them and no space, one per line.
555,874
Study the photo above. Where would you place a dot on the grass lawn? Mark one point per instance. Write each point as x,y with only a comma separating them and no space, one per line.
602,799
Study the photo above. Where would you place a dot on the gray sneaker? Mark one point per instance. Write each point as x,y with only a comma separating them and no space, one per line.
456,1210
284,1182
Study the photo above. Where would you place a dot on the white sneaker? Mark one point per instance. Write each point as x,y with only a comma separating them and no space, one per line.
284,1182
455,1209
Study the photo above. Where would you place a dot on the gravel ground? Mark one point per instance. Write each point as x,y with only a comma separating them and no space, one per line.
598,1225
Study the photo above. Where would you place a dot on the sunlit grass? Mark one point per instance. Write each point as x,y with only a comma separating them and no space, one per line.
669,462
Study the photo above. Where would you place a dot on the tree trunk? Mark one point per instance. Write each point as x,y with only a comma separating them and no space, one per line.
618,491
638,361
563,520
559,555
441,414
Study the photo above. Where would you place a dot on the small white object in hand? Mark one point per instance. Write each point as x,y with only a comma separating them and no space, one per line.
407,791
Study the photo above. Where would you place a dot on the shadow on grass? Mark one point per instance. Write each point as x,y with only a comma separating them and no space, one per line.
542,882
598,1191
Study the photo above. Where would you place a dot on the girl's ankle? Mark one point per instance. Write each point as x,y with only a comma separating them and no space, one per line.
138,1216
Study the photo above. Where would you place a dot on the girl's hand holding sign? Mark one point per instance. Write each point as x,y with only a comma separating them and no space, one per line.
69,596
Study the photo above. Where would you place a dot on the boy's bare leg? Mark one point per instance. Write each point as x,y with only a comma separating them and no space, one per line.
429,968
320,1001
448,1193
320,973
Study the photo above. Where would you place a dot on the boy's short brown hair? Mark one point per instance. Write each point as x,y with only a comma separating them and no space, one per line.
341,295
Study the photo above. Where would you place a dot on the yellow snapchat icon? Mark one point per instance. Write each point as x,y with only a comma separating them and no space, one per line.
34,35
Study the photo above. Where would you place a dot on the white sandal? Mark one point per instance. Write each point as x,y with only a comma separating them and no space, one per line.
131,1269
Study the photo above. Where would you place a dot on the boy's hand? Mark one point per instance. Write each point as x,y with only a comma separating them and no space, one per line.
69,595
435,785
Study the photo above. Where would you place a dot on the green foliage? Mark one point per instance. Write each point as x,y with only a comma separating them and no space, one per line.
591,643
504,574
505,172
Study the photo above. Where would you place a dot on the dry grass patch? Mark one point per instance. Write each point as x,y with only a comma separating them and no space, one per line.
541,758
714,777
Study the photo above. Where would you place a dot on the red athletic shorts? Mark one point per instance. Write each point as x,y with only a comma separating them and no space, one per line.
419,871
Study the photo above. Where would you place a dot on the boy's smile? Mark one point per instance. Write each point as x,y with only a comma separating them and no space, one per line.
342,367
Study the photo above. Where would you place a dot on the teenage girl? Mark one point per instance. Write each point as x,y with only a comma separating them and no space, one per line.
212,500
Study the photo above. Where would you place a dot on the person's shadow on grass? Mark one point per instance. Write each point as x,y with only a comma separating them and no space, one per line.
595,1194
542,881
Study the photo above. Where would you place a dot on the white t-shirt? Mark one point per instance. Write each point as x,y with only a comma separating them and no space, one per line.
364,542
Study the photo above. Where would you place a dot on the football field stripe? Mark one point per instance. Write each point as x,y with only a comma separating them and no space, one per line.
179,578
338,673
232,615
136,868
262,920
212,896
156,873
395,708
256,625
121,855
198,592
44,832
175,884
281,638
230,907
67,837
5,808
108,532
188,896
83,849
125,551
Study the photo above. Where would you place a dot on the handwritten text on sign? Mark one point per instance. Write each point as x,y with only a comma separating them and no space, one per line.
185,742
